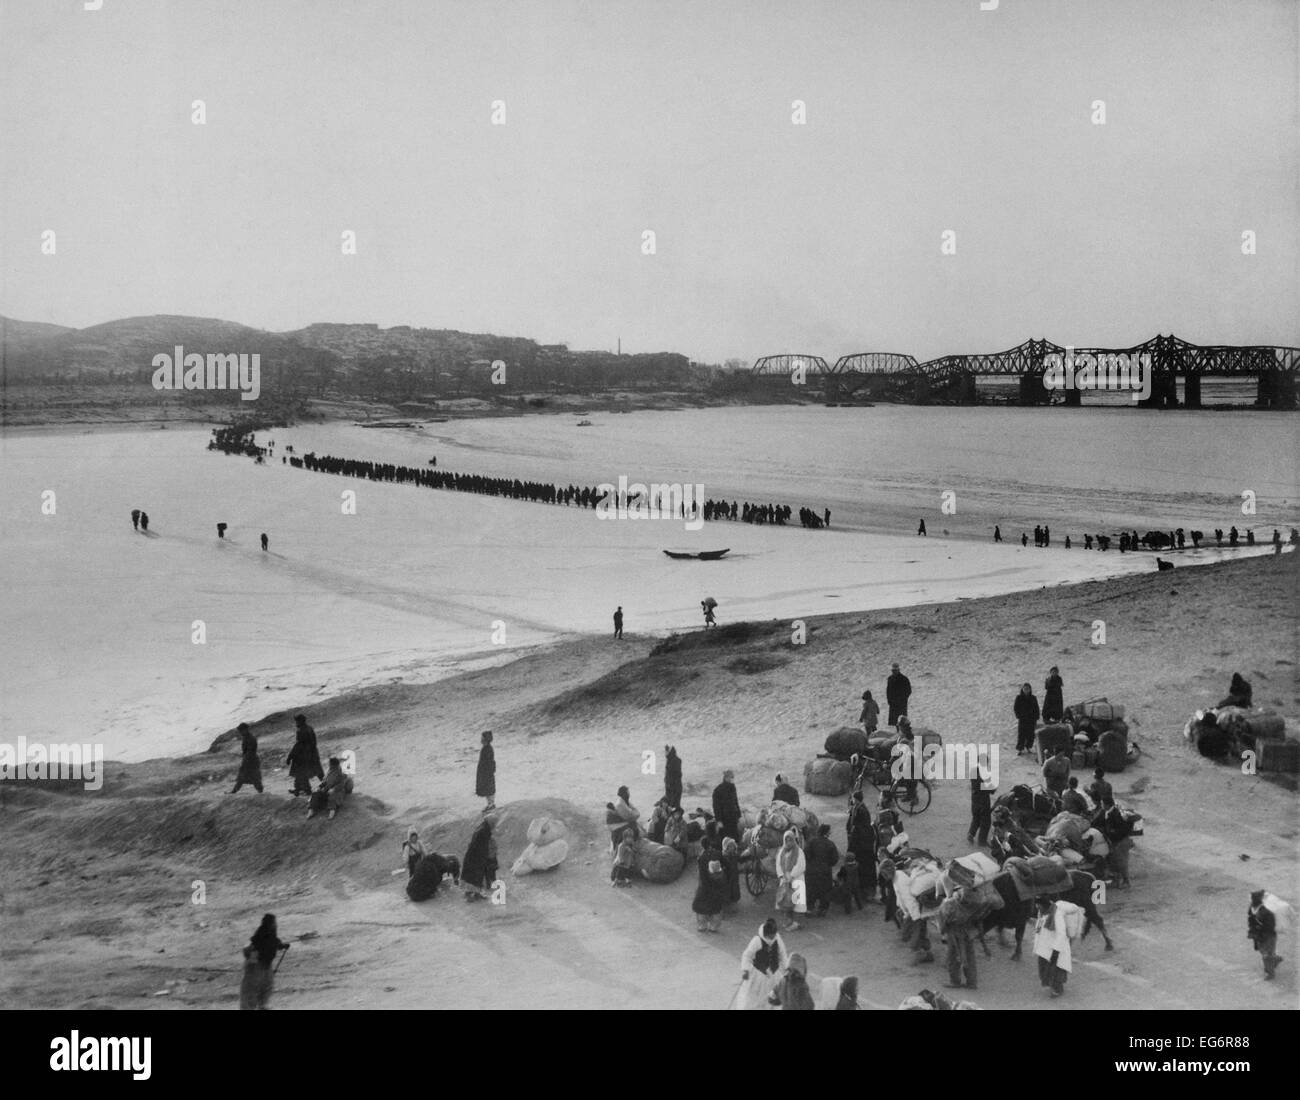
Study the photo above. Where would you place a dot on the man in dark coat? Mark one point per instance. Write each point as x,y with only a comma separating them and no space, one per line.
819,876
862,841
783,792
304,758
250,764
897,690
672,776
135,518
981,807
1027,712
1261,929
485,779
1053,696
618,623
726,806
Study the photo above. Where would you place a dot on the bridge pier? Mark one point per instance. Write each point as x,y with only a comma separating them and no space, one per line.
1191,391
1032,390
1164,391
1276,390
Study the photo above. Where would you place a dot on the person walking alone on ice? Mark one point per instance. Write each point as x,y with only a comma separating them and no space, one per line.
726,805
1053,696
709,620
304,758
921,530
618,622
266,542
1261,930
898,689
250,764
761,966
259,978
672,777
1026,710
870,716
1058,924
997,534
485,779
791,891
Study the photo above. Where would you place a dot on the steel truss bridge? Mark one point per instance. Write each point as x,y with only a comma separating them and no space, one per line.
952,378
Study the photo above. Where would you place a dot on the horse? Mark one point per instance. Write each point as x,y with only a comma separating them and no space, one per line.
1016,912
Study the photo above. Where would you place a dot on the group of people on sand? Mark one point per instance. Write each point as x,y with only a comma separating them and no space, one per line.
304,765
1027,711
1153,540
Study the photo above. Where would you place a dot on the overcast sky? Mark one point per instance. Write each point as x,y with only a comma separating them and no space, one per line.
922,116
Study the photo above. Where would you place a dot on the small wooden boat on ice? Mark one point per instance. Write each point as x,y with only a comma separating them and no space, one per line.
703,555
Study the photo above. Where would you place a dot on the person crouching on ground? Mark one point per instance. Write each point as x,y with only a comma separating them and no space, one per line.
413,850
333,790
624,869
676,834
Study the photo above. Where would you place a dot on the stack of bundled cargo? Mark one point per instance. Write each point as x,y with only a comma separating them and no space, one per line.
1229,731
547,846
827,775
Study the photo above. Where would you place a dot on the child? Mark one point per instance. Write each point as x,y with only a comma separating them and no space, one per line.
413,850
624,868
849,881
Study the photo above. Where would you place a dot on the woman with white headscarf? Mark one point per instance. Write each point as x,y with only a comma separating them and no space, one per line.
761,966
791,892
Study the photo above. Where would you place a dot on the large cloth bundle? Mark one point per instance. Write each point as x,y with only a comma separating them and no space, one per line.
1112,748
1054,737
826,775
969,871
546,830
1279,756
1037,875
540,857
1100,710
1069,828
748,817
1283,914
847,741
658,862
909,885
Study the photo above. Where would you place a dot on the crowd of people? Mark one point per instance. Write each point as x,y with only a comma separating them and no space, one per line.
1127,541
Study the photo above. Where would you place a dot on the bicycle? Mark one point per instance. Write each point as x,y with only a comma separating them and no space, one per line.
912,796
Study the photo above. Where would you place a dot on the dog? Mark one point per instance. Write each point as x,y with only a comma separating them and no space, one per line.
1163,565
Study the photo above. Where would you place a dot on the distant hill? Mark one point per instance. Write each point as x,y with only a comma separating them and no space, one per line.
398,363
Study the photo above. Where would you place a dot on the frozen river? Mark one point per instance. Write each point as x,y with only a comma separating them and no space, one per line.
99,627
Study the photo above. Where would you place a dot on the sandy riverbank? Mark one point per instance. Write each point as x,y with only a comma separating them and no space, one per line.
98,887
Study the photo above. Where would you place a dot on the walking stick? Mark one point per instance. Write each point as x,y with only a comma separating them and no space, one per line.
734,994
281,958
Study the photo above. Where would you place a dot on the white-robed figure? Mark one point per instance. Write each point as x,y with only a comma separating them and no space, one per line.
1058,924
791,891
761,966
